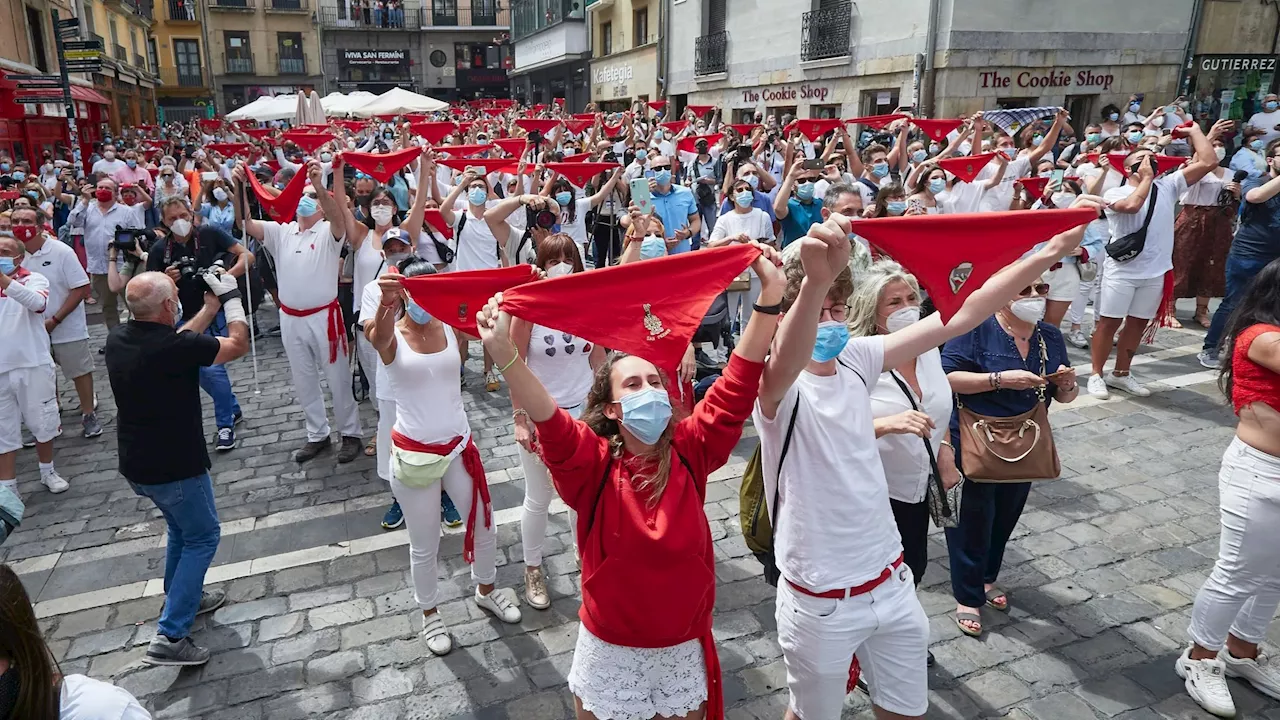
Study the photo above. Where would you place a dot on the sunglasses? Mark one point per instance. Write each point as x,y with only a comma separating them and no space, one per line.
1038,289
660,167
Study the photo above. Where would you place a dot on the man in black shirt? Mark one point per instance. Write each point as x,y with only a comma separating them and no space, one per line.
155,376
204,246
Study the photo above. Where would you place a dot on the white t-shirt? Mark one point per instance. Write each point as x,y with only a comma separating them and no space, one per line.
755,223
560,360
427,392
477,246
1266,121
906,465
1156,257
578,228
84,698
306,263
110,167
58,263
835,528
23,340
962,197
1087,172
999,197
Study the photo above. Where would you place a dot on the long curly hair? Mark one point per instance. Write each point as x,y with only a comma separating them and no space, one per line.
652,482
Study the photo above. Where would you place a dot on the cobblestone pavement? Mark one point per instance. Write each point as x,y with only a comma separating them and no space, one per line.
321,621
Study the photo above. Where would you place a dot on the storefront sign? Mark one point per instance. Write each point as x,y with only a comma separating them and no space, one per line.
617,74
368,58
630,76
552,44
482,78
770,95
1043,79
1213,63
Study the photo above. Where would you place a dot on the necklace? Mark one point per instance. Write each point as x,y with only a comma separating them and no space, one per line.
1009,329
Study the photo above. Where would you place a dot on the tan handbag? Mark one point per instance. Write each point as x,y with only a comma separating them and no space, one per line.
1009,449
742,283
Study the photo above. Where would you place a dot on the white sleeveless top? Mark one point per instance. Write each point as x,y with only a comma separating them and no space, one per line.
368,260
1206,191
427,393
562,362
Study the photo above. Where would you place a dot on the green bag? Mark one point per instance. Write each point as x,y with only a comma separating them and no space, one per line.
418,469
753,511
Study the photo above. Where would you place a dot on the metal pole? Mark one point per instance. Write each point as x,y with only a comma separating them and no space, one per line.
927,106
73,134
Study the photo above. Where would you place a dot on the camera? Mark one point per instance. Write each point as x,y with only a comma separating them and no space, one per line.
544,219
611,156
127,239
189,269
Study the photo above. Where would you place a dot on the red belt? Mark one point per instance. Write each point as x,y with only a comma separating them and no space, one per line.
1056,266
479,483
337,334
862,589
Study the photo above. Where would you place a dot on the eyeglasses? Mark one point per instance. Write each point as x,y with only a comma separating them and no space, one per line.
804,181
660,167
384,202
1038,289
837,313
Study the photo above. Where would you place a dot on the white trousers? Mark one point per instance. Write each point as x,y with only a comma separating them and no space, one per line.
421,508
538,491
306,344
1075,313
369,362
386,420
1243,591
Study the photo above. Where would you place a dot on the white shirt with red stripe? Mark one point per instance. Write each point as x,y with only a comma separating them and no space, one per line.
25,343
306,263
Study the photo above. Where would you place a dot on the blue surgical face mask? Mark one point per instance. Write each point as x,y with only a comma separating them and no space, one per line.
934,148
1135,107
896,207
1270,105
805,191
744,198
1255,144
753,181
1134,137
19,175
4,167
880,169
131,163
652,247
1010,152
663,176
918,156
416,313
477,196
937,185
306,206
1094,138
646,414
1113,117
7,265
564,198
642,154
832,337
1037,139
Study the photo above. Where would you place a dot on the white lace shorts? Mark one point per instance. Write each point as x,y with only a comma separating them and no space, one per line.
615,682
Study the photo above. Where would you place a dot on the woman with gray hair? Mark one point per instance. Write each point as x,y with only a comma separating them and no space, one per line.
911,405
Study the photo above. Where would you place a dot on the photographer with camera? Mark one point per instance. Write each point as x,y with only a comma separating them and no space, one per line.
185,256
705,175
100,213
154,368
127,256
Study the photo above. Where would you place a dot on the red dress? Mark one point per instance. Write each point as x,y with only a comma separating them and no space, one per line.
648,570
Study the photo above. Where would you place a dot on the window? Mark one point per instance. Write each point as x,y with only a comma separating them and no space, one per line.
115,35
152,55
186,56
438,58
606,38
824,112
716,12
35,28
1014,102
88,18
641,25
133,40
292,61
239,54
879,102
468,56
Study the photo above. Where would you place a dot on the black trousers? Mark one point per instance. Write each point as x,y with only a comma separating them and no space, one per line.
913,526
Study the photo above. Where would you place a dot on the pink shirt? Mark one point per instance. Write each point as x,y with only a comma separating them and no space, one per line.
136,176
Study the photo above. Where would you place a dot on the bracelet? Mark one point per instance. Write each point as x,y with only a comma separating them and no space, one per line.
519,412
775,309
947,443
504,368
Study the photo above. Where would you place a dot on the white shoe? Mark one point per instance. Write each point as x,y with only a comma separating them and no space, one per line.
54,482
1259,673
436,635
1126,383
1097,387
502,603
1206,684
1078,339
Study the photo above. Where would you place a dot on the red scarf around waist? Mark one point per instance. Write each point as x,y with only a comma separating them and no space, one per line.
479,484
337,334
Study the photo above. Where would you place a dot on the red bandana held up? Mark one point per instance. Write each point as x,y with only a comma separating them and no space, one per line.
465,127
315,127
490,165
257,133
381,165
580,173
650,309
228,149
699,109
965,167
577,127
584,116
437,223
1165,163
210,125
514,147
612,131
308,141
457,151
352,125
815,128
433,132
675,126
745,129
689,144
577,157
491,111
953,255
1182,130
936,129
873,121
387,118
1035,185
538,108
541,126
282,207
456,297
1116,160
658,105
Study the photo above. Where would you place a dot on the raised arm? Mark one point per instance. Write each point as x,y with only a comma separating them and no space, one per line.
425,169
355,230
1204,160
446,207
608,187
331,207
1003,161
1050,138
252,227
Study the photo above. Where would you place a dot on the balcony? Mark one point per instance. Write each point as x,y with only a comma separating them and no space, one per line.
182,77
140,62
531,16
183,11
293,66
710,53
233,5
481,13
120,54
288,6
824,33
240,65
409,17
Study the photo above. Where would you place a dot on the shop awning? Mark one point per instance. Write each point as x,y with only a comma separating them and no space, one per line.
88,95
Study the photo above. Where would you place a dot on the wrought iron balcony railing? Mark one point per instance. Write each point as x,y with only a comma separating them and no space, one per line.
825,33
710,53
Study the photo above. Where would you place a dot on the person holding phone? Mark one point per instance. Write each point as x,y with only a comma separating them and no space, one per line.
744,224
676,206
795,205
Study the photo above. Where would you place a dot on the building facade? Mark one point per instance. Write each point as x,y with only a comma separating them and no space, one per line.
624,52
1234,60
128,76
446,49
183,62
261,47
552,52
837,58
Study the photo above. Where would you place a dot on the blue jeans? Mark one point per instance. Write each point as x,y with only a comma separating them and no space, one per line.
1240,270
709,214
217,384
988,514
188,509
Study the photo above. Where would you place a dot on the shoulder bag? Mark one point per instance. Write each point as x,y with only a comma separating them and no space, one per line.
1009,449
1130,246
944,504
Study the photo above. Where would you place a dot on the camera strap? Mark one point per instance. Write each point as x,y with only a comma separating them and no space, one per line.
168,247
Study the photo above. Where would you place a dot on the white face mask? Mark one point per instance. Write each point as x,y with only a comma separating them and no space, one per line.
1029,310
559,269
1220,153
1063,200
219,194
382,214
181,227
902,318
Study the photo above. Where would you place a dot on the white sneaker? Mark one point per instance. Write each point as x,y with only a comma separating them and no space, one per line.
1206,684
54,482
436,635
1259,673
1078,339
1126,383
501,603
1097,387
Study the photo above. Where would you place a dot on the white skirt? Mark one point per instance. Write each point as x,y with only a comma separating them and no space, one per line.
615,682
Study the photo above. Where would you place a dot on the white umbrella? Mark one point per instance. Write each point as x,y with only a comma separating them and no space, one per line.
398,101
249,112
266,109
315,110
331,101
300,114
344,106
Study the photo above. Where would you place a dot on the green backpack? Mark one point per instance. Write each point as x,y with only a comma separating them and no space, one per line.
753,511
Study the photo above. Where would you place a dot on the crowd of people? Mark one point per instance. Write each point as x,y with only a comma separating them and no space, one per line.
873,399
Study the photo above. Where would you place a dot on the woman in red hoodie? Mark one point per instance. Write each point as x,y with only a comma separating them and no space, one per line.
638,480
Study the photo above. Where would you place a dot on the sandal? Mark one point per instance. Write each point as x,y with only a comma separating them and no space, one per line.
995,593
1173,323
964,616
1203,317
371,447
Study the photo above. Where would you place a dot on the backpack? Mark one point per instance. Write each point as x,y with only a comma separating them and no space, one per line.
753,512
457,234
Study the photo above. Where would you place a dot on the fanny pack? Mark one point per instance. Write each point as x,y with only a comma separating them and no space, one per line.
1130,246
418,469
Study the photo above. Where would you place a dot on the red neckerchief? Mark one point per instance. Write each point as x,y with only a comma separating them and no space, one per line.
745,129
433,132
490,165
381,166
308,141
18,275
1035,185
690,144
700,110
537,125
514,147
657,105
580,173
675,126
936,129
456,297
966,167
577,127
815,128
280,208
874,121
228,149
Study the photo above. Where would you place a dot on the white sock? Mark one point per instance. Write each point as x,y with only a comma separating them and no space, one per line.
11,484
46,469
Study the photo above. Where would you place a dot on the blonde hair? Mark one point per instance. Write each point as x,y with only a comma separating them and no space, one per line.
865,299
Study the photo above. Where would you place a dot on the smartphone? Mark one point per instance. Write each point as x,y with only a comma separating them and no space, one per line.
815,164
640,196
915,206
1055,178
